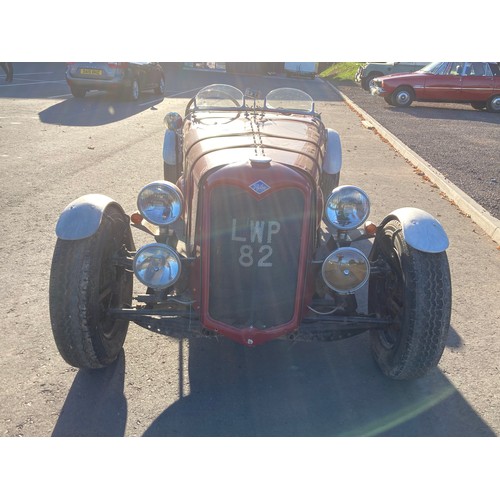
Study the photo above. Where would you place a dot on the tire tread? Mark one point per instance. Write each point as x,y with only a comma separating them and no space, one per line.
427,312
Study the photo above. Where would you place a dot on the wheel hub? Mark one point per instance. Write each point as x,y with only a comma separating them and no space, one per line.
403,97
495,103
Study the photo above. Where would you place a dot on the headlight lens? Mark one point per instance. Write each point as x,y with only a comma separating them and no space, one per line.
160,203
346,270
157,265
347,207
173,121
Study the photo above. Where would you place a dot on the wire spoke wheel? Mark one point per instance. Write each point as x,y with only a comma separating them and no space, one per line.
85,284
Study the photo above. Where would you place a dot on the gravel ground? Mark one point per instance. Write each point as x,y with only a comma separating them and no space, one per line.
458,141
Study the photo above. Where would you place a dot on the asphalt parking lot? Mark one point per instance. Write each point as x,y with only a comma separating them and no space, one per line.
463,144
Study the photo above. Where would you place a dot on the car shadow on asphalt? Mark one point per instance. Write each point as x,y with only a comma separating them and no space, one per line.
96,405
279,389
310,389
420,110
96,109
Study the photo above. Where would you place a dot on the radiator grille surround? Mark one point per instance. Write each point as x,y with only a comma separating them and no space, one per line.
254,256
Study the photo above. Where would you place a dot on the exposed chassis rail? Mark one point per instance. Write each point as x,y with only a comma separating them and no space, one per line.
179,324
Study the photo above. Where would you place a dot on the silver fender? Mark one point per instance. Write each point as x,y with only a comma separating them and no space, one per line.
169,148
332,162
82,217
420,229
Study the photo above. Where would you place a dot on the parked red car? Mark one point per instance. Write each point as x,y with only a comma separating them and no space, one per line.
476,83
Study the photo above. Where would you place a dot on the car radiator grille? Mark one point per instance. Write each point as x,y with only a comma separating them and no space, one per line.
254,256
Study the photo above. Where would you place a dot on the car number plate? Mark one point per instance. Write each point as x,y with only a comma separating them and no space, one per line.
88,71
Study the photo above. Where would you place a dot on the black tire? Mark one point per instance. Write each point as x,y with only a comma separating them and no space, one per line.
133,92
171,173
402,97
478,105
84,285
328,183
78,92
160,87
416,293
388,100
493,104
366,83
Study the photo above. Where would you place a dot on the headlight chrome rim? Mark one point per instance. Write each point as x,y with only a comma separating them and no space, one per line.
344,269
342,195
160,203
157,266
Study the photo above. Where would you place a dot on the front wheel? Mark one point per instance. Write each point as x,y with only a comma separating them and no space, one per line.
367,83
86,281
493,104
172,173
160,88
132,93
328,183
415,293
403,97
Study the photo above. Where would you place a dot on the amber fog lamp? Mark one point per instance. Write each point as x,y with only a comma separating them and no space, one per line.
157,266
347,207
160,203
370,227
136,218
346,270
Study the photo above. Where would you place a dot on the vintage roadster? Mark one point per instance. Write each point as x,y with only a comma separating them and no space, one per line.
253,239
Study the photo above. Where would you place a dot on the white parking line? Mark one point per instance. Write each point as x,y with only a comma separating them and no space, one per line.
184,92
38,73
31,83
28,78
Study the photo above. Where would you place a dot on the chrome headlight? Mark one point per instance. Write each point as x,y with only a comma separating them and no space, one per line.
347,207
346,270
160,203
157,265
173,121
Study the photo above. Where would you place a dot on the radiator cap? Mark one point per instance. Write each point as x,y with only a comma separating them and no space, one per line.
260,161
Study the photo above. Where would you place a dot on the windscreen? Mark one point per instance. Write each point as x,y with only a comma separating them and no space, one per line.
219,96
290,100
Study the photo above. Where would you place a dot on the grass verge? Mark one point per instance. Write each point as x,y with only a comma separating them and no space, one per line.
341,71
